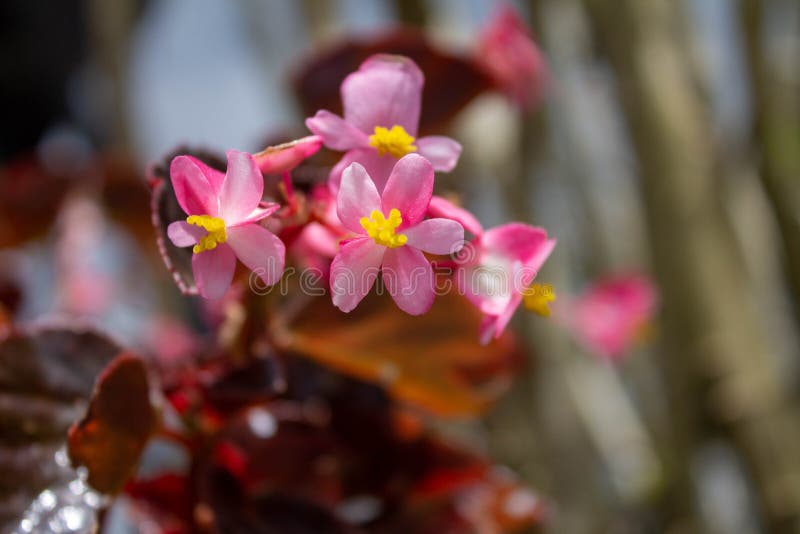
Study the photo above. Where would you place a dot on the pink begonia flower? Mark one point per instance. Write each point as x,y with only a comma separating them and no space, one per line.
508,53
222,224
497,271
391,235
610,316
381,101
285,157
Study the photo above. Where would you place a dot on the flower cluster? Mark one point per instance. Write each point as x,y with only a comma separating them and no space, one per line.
375,218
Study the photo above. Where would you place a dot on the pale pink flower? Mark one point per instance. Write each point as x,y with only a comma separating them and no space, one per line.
222,224
381,102
497,269
507,52
611,315
391,235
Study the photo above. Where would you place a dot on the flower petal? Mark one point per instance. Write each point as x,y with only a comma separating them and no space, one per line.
436,236
441,207
213,271
336,133
357,197
287,156
183,234
260,250
190,180
441,151
487,329
493,326
409,189
354,271
408,276
504,318
517,241
385,91
378,167
488,284
242,189
264,210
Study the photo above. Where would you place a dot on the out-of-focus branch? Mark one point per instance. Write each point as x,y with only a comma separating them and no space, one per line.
716,356
776,136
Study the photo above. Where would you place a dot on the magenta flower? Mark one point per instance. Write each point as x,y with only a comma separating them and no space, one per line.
381,103
391,235
222,224
508,53
611,315
498,269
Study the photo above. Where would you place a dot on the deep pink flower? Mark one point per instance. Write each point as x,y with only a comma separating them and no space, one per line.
611,315
222,224
381,103
508,53
391,235
497,270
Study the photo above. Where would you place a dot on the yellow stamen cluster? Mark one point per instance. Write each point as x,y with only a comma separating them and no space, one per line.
383,230
537,297
396,141
215,228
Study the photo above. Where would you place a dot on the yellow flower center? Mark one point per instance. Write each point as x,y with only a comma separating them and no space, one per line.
215,228
383,230
396,141
537,297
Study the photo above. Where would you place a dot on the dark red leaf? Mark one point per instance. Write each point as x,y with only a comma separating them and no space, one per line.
120,420
45,373
30,197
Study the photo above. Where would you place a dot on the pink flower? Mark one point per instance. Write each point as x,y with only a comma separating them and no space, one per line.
498,269
391,235
222,224
611,315
381,103
508,53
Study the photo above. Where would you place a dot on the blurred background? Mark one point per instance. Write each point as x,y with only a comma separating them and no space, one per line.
666,142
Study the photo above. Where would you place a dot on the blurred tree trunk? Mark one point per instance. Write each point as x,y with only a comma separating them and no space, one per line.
111,25
411,12
715,355
776,137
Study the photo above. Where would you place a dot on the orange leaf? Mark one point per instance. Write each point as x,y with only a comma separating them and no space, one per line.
432,361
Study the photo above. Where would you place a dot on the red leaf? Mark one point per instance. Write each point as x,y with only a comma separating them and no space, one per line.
117,426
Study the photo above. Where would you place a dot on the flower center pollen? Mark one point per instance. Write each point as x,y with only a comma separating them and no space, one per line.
383,230
537,297
396,141
215,228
